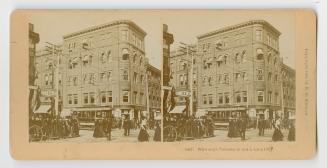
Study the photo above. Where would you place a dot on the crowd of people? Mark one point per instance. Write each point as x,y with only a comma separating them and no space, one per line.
190,127
54,127
103,128
238,126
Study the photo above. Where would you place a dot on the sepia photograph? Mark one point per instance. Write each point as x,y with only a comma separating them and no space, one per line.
163,84
93,79
229,79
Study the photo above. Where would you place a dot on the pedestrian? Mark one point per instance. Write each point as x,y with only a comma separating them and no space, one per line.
143,135
291,133
109,127
231,128
242,126
129,125
96,129
125,125
261,126
277,135
157,133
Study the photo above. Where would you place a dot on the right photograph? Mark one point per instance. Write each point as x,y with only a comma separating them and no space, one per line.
229,76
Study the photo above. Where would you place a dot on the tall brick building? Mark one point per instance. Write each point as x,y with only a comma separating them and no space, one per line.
180,67
237,70
105,71
240,69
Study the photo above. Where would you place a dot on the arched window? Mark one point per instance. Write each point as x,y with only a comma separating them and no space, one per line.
243,56
219,44
125,54
259,54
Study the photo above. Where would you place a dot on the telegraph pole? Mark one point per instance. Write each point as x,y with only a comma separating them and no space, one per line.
188,52
53,50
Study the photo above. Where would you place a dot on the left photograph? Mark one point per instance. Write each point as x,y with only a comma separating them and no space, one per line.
94,78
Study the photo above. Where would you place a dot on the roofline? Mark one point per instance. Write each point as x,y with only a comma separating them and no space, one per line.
102,26
243,24
153,68
287,67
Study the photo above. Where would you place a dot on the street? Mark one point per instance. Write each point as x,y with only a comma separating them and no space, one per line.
86,136
251,135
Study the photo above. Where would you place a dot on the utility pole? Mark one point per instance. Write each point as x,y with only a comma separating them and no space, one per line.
188,52
147,93
54,51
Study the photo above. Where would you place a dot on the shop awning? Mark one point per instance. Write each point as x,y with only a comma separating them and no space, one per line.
66,112
92,109
226,109
200,112
43,109
178,110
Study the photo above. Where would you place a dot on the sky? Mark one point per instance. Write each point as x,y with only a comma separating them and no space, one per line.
185,25
52,26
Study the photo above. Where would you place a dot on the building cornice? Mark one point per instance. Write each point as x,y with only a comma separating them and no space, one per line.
103,26
233,27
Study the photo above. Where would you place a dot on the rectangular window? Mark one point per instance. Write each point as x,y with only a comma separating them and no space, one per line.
259,74
220,98
124,34
86,98
109,96
219,79
185,79
260,95
226,78
181,80
269,98
125,96
245,96
276,98
258,35
70,99
125,74
92,98
204,99
103,97
226,98
238,97
209,81
142,79
141,98
135,77
135,97
75,99
194,78
102,76
91,78
109,76
210,98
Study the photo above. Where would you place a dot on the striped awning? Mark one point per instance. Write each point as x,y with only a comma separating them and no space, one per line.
178,110
43,109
